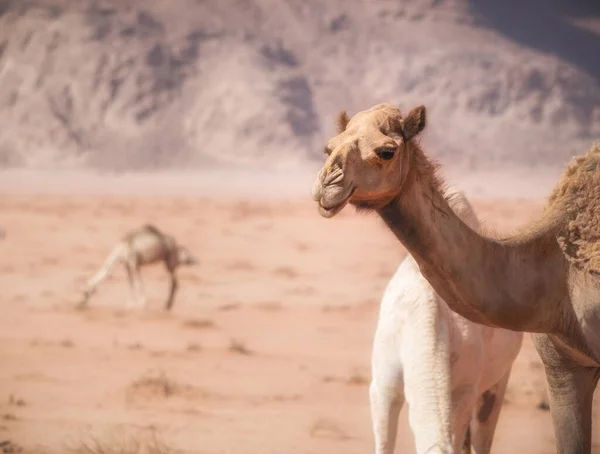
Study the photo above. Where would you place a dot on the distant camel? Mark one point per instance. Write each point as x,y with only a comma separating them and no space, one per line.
452,372
140,247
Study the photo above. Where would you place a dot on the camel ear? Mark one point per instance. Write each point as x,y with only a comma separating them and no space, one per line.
414,123
342,121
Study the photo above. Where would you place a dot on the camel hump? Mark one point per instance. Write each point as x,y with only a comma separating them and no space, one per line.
152,229
577,195
167,240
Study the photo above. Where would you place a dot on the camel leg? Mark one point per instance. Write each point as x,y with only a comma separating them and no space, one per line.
140,296
386,403
132,285
466,448
114,257
136,285
428,384
463,401
571,390
485,416
174,286
570,393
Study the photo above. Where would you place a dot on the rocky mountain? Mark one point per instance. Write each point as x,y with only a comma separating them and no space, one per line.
133,84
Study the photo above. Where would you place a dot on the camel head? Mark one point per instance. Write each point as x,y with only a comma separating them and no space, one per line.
368,160
185,257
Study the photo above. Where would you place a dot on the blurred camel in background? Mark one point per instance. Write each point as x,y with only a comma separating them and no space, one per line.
144,246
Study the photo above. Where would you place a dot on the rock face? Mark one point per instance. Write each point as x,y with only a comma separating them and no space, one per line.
137,84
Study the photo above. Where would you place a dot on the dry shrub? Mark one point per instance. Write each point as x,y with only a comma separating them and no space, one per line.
239,347
270,306
199,323
8,447
67,343
229,307
286,272
141,442
325,428
356,378
13,400
156,385
193,347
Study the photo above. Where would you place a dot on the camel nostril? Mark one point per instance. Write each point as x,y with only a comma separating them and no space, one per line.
335,176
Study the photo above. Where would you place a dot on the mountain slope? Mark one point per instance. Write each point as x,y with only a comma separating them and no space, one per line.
131,84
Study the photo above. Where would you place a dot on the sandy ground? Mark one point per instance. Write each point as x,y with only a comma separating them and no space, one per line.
267,349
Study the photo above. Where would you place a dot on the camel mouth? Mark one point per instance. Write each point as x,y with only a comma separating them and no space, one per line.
329,212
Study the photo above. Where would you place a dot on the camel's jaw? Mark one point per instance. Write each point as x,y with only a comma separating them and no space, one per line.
330,210
332,193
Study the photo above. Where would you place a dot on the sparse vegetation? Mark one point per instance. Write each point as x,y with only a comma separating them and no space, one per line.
19,402
193,347
8,447
239,347
356,378
324,428
199,323
137,443
67,343
160,383
271,306
156,385
286,272
229,307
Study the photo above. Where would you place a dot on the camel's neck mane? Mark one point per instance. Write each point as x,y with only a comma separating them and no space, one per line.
470,271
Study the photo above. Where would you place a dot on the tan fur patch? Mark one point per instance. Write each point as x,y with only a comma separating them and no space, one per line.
578,195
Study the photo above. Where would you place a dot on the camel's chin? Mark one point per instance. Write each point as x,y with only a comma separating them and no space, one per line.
331,212
363,205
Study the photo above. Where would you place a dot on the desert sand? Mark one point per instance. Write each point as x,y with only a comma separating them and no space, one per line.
268,346
267,349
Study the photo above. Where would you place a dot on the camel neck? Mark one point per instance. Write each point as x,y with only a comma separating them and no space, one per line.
511,284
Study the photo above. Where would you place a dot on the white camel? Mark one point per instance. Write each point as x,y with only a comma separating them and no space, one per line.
452,372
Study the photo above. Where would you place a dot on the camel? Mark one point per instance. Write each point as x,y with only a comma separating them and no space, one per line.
144,246
543,280
452,372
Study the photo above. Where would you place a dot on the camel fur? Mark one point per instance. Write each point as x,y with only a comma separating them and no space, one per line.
543,280
452,372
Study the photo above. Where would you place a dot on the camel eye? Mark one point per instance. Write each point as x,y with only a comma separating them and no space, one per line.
327,151
385,153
